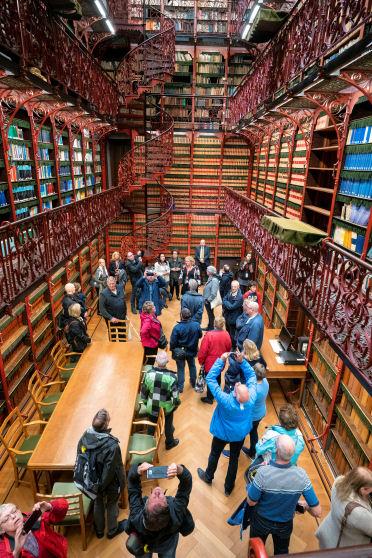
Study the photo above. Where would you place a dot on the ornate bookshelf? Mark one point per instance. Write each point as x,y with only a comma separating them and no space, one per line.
78,167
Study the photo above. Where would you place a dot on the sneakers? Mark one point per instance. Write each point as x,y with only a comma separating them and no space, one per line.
247,452
206,400
173,444
201,475
120,529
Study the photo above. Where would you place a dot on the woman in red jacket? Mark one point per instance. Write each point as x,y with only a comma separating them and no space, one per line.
41,541
213,345
150,331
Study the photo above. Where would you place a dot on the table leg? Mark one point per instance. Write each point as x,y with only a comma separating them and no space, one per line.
123,502
302,387
34,483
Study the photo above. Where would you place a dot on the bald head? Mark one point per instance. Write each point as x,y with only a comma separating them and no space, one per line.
285,448
241,393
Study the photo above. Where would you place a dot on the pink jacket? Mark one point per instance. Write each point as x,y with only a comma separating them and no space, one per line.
213,345
150,330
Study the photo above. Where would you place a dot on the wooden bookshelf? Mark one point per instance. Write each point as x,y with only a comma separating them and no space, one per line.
351,224
78,166
235,164
239,65
65,168
47,168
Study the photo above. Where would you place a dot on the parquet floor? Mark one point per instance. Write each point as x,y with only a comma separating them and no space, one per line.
213,537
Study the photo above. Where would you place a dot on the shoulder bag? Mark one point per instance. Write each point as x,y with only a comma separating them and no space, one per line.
348,509
216,301
179,353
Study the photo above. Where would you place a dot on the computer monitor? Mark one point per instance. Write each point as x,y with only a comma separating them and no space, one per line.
285,338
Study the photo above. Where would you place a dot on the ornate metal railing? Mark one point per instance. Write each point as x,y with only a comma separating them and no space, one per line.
42,44
32,247
333,286
151,158
151,61
310,34
154,235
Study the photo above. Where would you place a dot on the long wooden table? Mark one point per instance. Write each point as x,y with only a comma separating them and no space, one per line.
107,375
276,370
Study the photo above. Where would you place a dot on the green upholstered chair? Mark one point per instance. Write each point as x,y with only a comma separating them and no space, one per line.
17,442
145,447
45,402
64,362
78,506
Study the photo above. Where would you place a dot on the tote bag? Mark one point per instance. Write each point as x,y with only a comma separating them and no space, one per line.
216,301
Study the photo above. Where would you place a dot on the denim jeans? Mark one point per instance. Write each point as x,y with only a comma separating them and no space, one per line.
181,371
216,450
280,531
167,549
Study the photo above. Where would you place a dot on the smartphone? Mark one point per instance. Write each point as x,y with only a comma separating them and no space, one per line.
30,521
157,472
300,508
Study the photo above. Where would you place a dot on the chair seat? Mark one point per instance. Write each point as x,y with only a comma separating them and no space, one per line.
140,407
53,399
66,374
65,488
27,445
141,442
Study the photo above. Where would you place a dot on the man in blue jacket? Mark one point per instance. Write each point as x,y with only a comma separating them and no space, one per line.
193,301
249,325
185,335
149,287
231,420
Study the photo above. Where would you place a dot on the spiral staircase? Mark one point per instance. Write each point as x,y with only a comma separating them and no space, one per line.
149,64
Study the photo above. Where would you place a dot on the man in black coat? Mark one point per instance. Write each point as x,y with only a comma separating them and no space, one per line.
158,519
225,281
112,305
232,307
203,259
109,466
135,271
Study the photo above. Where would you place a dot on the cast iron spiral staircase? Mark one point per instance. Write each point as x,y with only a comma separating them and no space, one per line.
150,63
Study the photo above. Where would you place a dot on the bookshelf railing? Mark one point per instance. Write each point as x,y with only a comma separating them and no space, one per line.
151,61
41,44
150,159
308,39
32,247
155,234
332,286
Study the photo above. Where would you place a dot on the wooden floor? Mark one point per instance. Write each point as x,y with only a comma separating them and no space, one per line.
212,537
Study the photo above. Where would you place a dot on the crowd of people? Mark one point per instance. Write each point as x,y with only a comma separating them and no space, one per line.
234,372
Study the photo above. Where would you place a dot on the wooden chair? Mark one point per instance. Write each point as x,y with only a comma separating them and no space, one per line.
17,443
64,361
45,403
118,331
145,446
78,507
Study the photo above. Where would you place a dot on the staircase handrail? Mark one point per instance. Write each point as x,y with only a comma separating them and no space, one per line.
127,172
128,75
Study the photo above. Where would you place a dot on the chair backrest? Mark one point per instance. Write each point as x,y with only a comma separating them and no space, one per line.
75,504
118,331
12,431
159,429
36,388
57,350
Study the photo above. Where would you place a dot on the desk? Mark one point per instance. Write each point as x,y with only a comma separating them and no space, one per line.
276,370
107,375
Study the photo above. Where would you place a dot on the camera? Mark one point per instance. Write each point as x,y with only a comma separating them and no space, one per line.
150,274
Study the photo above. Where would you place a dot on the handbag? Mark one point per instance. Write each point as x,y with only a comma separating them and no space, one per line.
163,341
134,544
179,353
200,380
348,509
216,301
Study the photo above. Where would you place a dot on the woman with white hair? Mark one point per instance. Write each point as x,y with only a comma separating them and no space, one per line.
210,293
40,540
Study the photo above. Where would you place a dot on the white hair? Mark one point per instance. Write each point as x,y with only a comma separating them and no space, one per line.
193,285
162,359
70,288
285,447
211,269
4,510
251,304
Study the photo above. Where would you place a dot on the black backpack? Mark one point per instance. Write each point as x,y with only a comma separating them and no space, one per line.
86,476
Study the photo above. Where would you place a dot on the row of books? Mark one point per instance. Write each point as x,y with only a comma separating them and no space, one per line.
3,199
19,152
66,185
20,172
349,239
47,188
23,212
77,143
64,170
44,136
354,213
79,182
23,193
43,153
360,135
358,161
78,156
64,155
15,132
355,187
46,171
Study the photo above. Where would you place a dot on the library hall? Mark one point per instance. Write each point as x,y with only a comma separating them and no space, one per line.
185,278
